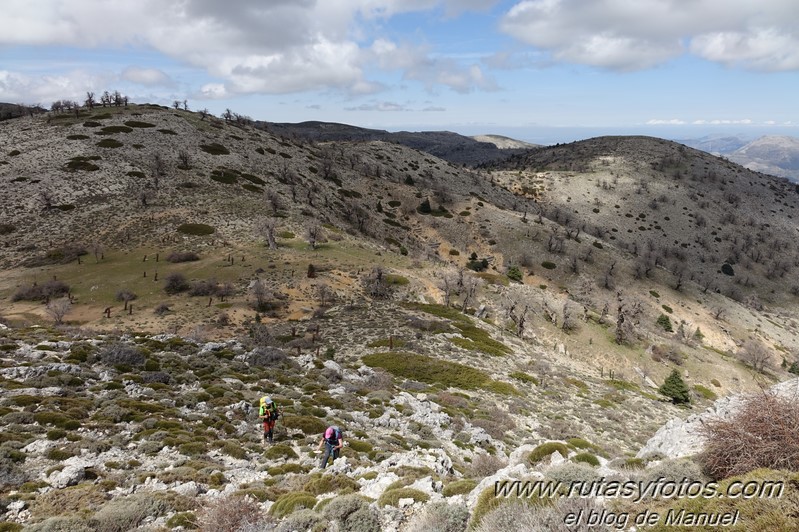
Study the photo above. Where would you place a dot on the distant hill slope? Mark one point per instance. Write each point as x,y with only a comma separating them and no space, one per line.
449,146
773,154
505,143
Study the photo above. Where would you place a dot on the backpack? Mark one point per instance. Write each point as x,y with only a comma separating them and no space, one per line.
267,406
335,435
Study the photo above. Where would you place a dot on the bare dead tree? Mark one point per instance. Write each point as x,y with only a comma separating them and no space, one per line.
157,169
324,294
184,159
46,198
90,101
274,201
58,308
448,284
757,355
314,234
470,287
267,228
203,113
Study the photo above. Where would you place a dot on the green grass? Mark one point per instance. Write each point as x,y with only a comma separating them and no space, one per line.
707,393
524,377
586,458
432,371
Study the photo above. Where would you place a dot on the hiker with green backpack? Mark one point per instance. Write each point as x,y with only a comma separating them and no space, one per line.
333,441
268,411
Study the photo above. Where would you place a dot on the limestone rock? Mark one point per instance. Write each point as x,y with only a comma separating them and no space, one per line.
679,438
69,476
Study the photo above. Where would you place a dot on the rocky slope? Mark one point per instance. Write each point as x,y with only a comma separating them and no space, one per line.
452,320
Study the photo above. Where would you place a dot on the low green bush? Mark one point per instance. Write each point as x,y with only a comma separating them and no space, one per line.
392,497
289,502
214,149
545,450
458,487
195,229
586,458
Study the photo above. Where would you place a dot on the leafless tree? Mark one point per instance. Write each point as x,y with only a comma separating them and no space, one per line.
184,159
324,294
185,105
58,308
517,309
314,234
754,353
203,113
267,228
274,201
90,101
227,115
105,99
176,104
448,283
261,294
471,285
46,197
376,284
157,168
570,322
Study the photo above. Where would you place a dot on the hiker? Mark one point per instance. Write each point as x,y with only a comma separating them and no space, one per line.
269,412
332,441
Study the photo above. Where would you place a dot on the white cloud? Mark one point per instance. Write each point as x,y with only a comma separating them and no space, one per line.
418,64
253,46
378,106
147,76
621,35
671,122
18,87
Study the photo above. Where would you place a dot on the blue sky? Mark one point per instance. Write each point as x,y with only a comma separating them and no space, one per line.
539,70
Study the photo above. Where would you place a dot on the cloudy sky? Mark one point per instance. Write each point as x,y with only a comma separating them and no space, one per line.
542,70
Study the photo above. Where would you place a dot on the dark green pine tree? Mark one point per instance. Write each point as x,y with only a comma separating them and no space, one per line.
675,388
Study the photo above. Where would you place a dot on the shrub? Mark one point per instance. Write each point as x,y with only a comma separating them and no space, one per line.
136,123
458,487
307,424
392,497
176,283
302,520
195,229
289,502
545,450
127,513
537,515
182,256
110,143
515,274
429,370
281,451
125,295
328,483
121,354
664,323
6,229
549,265
439,517
705,392
228,514
587,458
675,388
214,149
763,434
35,292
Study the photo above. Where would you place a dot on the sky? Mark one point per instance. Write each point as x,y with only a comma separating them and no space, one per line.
539,70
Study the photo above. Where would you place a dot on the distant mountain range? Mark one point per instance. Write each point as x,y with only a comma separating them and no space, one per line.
452,147
771,154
